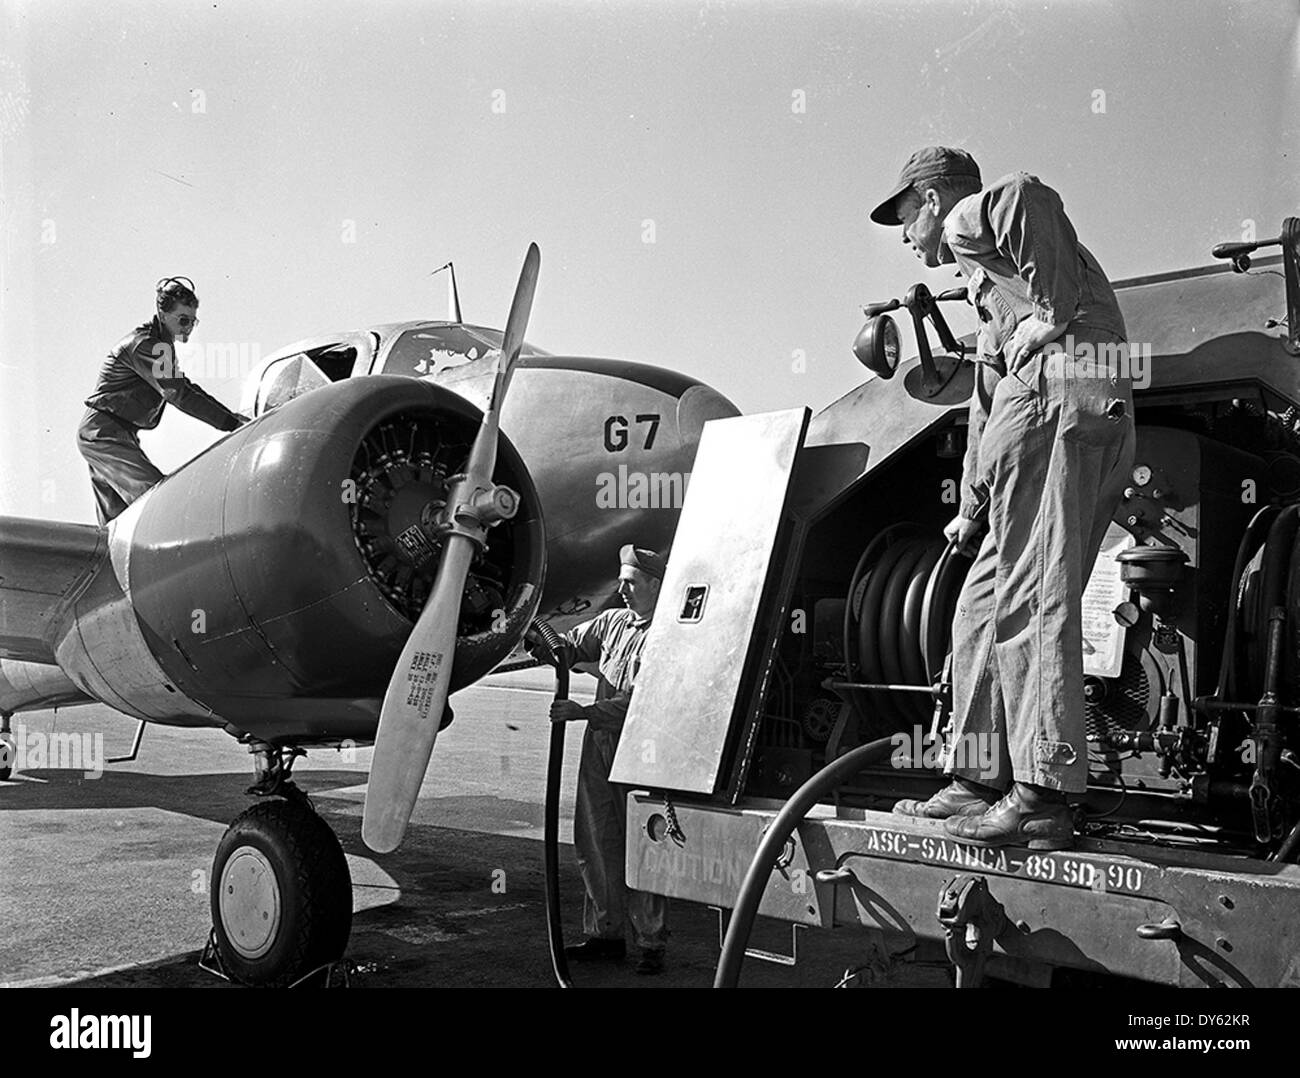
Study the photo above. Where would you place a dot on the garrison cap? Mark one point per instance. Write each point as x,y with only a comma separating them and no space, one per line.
929,163
645,560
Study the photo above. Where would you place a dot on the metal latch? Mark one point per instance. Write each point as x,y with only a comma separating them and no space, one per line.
754,952
972,919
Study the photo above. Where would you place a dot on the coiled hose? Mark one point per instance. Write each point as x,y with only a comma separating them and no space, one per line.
943,575
551,814
760,868
897,623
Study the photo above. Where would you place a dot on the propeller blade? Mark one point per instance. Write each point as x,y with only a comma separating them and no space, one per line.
516,323
413,705
417,692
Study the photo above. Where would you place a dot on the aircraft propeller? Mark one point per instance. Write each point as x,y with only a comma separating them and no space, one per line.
417,692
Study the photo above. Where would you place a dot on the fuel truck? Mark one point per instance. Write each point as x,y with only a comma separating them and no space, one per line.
805,621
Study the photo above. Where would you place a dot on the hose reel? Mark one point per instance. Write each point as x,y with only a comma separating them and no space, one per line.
898,624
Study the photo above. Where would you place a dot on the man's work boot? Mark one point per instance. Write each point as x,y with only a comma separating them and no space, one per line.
1032,816
961,797
596,949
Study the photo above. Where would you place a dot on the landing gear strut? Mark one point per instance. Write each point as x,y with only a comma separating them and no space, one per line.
273,766
281,891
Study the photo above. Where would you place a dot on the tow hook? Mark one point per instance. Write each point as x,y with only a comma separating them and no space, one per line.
1168,929
972,919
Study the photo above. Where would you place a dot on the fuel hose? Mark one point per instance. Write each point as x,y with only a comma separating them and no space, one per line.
551,815
769,849
791,815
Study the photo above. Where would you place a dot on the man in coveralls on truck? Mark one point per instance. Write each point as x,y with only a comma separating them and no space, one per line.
1050,447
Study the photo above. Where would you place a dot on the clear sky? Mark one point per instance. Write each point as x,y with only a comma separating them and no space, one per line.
309,164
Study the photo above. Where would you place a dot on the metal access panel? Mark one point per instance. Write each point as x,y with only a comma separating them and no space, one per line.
690,684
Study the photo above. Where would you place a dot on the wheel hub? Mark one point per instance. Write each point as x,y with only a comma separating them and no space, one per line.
250,902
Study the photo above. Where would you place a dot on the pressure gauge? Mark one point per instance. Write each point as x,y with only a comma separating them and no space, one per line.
878,346
1141,475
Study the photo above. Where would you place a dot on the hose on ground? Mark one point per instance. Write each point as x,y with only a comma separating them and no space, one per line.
760,868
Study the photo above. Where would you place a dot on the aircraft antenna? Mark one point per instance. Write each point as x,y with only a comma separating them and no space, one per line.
453,294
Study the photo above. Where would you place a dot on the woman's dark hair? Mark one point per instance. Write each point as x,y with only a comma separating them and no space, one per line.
174,292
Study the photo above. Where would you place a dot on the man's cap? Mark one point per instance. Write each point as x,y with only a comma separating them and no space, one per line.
929,163
645,560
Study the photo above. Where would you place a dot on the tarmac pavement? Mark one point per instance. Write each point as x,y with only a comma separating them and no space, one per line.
104,880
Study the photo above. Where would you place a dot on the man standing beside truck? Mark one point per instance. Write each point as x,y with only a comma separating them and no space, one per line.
612,642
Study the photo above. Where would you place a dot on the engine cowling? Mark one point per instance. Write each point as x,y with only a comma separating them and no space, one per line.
274,578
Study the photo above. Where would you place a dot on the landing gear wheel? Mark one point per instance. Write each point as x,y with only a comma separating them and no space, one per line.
281,894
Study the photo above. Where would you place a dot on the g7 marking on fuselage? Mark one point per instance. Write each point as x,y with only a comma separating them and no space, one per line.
616,431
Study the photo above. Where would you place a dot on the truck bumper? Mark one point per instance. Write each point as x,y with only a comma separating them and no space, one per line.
1207,919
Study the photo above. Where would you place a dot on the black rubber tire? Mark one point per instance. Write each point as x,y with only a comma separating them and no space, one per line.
10,753
315,892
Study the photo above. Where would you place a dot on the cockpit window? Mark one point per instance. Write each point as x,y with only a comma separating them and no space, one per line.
297,373
434,349
336,361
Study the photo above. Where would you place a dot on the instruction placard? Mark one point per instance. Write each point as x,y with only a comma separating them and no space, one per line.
1103,636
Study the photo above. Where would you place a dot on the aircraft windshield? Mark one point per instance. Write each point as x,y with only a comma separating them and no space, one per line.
434,349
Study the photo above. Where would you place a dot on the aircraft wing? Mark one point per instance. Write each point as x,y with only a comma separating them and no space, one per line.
43,563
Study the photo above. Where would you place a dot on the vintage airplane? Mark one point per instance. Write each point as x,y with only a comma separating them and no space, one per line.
329,572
